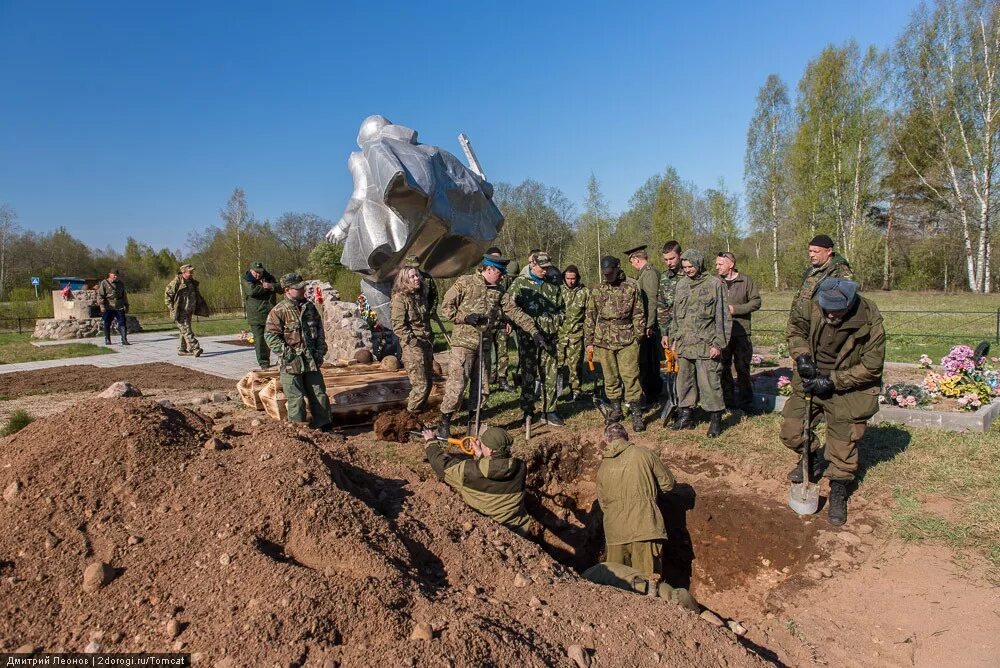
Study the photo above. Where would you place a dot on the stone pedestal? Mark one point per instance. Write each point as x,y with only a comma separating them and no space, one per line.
61,329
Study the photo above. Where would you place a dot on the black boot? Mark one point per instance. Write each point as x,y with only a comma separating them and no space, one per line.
107,336
125,340
616,414
817,464
444,429
685,419
838,502
637,424
554,420
715,424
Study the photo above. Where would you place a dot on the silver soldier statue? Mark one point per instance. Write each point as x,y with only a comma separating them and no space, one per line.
412,199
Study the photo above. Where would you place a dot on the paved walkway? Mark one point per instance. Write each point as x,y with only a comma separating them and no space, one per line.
219,359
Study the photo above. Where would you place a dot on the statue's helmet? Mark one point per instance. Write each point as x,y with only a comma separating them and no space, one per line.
370,128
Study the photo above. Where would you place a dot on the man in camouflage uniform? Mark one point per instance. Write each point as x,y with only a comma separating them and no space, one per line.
259,289
113,302
839,353
501,336
649,345
699,330
184,300
474,303
823,262
615,321
541,299
570,345
294,332
411,322
668,285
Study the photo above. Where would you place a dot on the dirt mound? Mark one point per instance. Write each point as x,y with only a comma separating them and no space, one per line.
396,426
279,545
83,377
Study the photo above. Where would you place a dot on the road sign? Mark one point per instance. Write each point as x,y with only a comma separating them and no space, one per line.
35,280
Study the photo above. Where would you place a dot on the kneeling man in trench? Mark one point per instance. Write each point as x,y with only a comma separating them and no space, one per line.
490,481
629,480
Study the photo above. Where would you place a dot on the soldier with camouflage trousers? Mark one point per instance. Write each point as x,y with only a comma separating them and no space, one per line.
184,301
411,322
474,303
542,300
570,345
671,255
294,332
615,321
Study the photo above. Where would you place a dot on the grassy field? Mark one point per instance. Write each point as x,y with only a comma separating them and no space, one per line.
17,348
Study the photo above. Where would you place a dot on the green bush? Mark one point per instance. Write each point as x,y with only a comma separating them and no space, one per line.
17,421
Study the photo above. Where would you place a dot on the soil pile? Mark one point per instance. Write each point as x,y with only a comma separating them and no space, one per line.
396,426
143,527
85,377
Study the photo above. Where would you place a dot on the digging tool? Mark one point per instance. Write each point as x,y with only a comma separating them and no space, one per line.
803,497
436,318
482,373
464,444
669,385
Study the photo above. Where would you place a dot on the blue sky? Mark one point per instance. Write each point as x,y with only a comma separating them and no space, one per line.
135,118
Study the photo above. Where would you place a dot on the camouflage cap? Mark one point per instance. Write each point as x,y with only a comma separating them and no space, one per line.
542,259
411,261
497,440
186,267
258,266
293,281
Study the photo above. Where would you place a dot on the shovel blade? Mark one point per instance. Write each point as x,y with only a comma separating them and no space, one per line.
803,498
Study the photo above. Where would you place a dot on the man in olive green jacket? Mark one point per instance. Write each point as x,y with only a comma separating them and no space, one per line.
839,353
570,346
649,344
699,330
629,480
259,290
490,481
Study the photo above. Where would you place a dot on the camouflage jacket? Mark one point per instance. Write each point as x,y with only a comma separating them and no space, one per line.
430,292
542,301
701,317
183,297
112,295
665,298
411,318
294,332
614,314
575,300
649,283
470,294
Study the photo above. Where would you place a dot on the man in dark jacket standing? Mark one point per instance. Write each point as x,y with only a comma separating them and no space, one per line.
259,289
490,481
743,299
629,480
649,344
839,353
113,302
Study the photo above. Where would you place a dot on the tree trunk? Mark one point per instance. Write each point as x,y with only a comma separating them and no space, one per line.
887,262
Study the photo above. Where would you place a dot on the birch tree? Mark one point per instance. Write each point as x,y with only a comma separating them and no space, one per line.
235,218
8,230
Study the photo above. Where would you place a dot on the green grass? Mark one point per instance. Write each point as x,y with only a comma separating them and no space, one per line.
17,421
17,348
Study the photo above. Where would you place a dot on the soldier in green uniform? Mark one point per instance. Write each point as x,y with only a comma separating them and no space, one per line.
294,332
113,302
839,353
823,262
671,255
501,336
474,303
184,300
259,289
570,346
542,301
699,330
491,481
649,344
411,322
629,481
615,320
428,286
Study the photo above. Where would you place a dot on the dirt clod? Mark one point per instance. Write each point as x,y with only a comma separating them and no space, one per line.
422,631
520,581
215,444
712,618
396,426
120,389
11,491
174,628
578,655
96,576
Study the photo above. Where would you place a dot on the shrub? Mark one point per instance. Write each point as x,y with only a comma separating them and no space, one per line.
17,421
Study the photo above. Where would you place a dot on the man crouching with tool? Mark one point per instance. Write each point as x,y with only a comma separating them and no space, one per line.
839,350
490,480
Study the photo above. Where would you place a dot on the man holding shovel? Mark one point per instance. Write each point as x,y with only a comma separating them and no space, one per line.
838,345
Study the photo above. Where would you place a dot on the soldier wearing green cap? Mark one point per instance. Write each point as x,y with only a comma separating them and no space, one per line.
491,481
575,296
699,330
294,332
259,292
542,300
839,353
650,350
184,301
615,321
